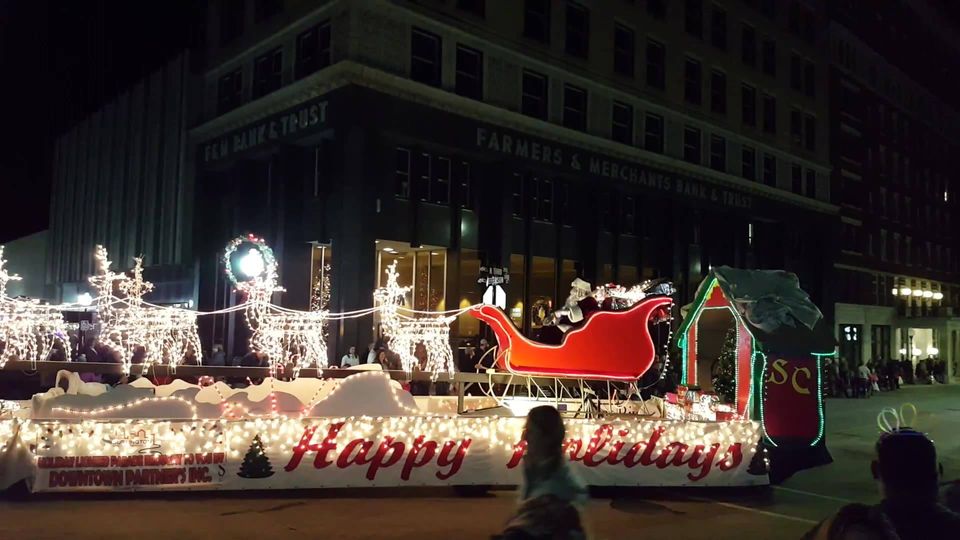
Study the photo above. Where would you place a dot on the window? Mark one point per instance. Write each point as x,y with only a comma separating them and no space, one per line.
718,92
534,95
748,96
691,145
655,64
578,30
748,167
770,57
574,107
769,170
810,132
622,120
425,57
536,20
692,81
883,244
796,124
434,173
628,215
718,28
477,7
811,183
718,153
518,194
402,174
623,50
469,72
809,84
466,181
769,113
230,91
264,9
796,178
542,199
266,73
796,73
694,17
653,133
313,50
231,22
748,45
657,8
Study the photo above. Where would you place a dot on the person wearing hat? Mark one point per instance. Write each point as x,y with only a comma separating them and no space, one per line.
907,470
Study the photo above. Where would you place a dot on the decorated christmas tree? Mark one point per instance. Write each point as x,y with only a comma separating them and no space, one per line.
255,464
724,368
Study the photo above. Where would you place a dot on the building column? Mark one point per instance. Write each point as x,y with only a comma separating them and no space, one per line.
351,221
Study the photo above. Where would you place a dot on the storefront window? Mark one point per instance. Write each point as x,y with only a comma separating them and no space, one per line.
320,283
568,273
423,269
627,275
543,283
470,291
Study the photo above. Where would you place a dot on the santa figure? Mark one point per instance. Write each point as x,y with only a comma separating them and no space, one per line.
579,305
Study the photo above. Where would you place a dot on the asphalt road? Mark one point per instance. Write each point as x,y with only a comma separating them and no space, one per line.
785,511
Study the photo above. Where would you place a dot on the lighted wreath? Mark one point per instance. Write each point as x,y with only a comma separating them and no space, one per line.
255,262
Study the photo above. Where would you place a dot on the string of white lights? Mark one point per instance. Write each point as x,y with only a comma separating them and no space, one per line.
407,334
29,330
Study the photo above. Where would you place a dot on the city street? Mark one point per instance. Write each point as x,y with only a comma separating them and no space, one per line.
781,512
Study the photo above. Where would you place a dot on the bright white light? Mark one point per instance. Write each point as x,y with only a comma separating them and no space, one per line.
938,296
84,299
916,351
903,351
933,351
917,292
928,294
495,296
895,291
251,264
905,291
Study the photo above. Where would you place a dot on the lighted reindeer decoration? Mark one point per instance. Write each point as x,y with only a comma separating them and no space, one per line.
286,336
128,324
28,329
406,332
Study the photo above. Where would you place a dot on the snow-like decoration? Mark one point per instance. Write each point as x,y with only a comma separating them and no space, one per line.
366,393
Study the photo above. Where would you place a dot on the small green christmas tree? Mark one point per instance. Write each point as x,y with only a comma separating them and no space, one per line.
255,464
724,369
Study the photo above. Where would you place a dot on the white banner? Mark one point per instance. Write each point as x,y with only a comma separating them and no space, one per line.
281,453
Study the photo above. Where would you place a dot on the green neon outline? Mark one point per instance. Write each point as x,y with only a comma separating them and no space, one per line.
738,321
823,420
763,379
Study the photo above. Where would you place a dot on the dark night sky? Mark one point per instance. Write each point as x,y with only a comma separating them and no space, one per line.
59,61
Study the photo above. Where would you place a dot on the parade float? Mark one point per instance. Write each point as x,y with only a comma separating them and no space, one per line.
774,340
307,426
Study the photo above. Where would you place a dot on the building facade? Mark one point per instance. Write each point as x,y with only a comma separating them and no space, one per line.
894,132
613,141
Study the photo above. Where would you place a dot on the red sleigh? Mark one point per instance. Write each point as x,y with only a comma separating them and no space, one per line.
611,345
